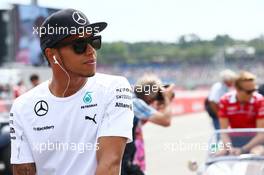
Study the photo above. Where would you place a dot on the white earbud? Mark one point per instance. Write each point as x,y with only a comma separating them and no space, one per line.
55,60
69,78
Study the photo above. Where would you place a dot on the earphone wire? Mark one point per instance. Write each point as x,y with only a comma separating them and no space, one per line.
69,78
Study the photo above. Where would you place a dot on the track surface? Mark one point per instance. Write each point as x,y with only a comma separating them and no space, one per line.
169,149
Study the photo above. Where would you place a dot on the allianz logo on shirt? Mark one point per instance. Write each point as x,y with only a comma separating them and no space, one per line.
87,99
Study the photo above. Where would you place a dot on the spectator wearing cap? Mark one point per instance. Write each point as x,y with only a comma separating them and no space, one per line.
86,116
217,91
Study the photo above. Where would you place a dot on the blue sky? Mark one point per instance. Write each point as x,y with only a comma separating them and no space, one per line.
166,20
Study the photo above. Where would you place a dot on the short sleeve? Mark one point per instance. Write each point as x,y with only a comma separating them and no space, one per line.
260,109
142,110
215,93
118,117
20,149
222,109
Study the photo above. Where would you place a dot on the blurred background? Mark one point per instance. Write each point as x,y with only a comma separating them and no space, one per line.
183,42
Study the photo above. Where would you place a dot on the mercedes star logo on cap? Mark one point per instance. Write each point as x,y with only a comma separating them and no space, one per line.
79,18
41,108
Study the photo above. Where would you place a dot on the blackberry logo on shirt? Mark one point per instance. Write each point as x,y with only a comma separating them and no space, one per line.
87,98
43,128
41,108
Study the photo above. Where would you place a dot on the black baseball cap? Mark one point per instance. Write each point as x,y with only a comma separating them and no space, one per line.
64,23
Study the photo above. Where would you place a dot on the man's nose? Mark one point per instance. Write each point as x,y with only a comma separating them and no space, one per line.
90,50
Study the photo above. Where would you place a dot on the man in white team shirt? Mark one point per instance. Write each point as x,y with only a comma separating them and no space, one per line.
216,92
79,122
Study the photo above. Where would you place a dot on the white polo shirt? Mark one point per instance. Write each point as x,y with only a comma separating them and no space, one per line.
217,91
60,134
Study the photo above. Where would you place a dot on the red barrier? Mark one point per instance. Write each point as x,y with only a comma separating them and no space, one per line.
184,102
188,102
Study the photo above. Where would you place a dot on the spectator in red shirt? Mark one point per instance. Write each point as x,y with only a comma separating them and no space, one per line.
243,108
19,89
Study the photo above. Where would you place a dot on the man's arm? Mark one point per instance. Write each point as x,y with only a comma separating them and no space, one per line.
109,155
24,169
214,97
258,139
214,107
224,123
164,113
162,117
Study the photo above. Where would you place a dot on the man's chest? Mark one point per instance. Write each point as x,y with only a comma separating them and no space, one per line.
64,121
241,110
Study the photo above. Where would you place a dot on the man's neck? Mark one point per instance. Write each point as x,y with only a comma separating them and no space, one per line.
66,88
241,100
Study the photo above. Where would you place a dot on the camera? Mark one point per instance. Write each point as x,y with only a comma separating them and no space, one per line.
160,96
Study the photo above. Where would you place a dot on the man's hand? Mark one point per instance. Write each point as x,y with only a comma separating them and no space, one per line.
258,150
24,169
109,155
235,151
168,93
219,153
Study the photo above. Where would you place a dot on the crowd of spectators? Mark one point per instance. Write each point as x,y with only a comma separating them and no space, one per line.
187,76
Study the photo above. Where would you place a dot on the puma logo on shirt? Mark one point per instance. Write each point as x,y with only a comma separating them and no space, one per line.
90,118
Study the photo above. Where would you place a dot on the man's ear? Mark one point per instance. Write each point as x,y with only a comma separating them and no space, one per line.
49,54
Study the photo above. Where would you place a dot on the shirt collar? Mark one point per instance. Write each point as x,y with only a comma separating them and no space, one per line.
233,98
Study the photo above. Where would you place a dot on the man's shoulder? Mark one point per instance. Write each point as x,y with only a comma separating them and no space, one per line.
139,101
108,80
257,95
141,109
31,94
227,97
139,104
218,86
258,98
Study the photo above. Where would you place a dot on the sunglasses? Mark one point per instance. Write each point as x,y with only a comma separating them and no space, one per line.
80,45
249,92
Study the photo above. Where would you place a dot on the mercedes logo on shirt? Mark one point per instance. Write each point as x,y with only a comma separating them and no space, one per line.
41,108
79,18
